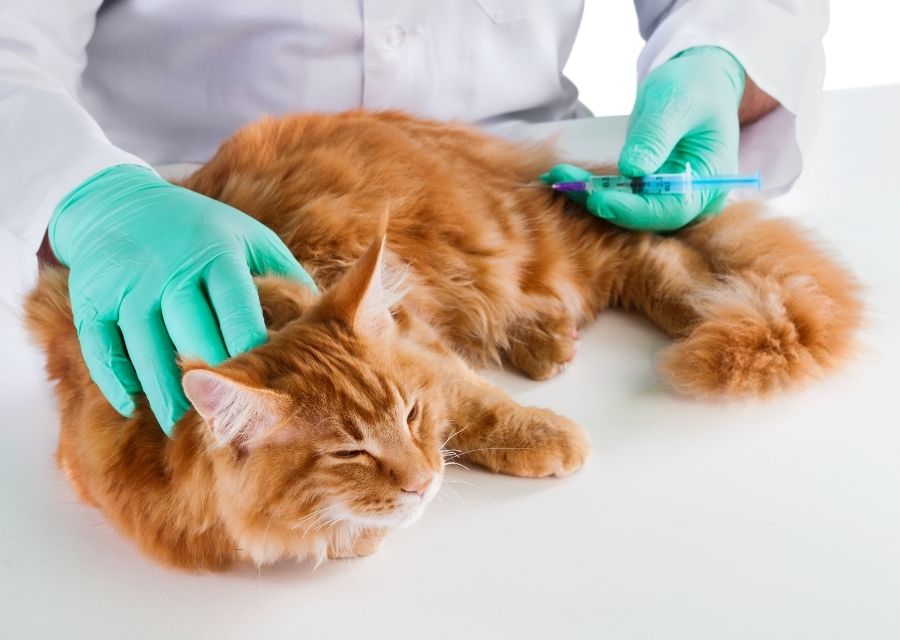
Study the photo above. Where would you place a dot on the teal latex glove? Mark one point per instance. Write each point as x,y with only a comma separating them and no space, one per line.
156,268
686,111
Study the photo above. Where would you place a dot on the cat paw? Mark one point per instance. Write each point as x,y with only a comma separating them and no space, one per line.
540,443
542,347
349,545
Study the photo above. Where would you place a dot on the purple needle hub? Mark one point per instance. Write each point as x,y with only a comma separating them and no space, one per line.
570,187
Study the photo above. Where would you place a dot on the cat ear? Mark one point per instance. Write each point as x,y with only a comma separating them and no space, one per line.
235,413
360,298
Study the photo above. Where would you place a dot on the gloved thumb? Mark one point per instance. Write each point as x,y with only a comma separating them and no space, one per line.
652,135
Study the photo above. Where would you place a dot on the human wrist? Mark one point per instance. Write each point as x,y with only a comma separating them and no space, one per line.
725,60
755,104
81,209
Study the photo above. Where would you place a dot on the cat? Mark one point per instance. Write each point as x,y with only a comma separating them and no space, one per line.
435,254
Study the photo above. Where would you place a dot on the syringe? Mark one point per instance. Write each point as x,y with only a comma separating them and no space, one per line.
662,183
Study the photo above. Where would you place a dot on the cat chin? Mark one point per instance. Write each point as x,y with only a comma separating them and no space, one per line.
402,518
412,517
397,520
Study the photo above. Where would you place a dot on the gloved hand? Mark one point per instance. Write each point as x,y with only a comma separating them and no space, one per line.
156,268
686,111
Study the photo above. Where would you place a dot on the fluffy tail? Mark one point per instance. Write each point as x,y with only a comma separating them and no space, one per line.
778,311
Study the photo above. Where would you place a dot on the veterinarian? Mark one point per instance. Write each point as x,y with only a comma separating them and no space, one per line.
93,94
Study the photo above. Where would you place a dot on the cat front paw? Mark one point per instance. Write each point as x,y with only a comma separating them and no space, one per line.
355,544
537,443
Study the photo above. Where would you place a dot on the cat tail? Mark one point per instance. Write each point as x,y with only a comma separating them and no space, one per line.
777,310
48,317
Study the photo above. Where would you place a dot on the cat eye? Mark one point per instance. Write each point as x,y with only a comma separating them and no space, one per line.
355,453
413,413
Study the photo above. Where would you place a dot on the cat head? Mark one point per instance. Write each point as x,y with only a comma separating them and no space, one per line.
336,422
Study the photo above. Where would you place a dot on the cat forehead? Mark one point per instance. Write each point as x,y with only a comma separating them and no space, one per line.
365,404
346,393
337,379
371,431
356,407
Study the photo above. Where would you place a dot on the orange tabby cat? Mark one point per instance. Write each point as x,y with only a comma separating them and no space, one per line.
339,427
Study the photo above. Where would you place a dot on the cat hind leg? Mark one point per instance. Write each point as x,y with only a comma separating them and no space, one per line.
541,347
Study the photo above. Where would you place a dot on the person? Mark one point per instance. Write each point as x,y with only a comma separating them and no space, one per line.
93,94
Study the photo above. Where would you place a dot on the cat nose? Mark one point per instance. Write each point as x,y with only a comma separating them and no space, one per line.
418,484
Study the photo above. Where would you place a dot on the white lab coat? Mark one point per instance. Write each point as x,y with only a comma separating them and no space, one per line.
85,86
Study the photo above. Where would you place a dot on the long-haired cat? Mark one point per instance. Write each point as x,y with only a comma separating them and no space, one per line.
338,428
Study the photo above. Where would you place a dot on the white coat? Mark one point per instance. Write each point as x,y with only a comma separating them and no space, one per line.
87,84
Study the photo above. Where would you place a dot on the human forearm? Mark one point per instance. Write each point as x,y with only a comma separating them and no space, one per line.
50,143
787,60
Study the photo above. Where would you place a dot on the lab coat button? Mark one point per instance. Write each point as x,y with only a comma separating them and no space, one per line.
394,36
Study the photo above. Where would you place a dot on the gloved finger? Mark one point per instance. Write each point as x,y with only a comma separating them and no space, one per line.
153,356
274,258
716,203
235,300
568,173
108,363
191,323
644,213
654,131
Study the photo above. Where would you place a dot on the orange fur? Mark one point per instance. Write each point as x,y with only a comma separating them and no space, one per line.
493,269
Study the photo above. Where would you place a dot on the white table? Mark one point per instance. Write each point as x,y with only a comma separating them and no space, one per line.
776,519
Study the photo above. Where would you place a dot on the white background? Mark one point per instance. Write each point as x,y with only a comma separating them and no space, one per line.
771,520
761,520
862,48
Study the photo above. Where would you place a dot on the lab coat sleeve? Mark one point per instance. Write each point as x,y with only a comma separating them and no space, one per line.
779,43
48,142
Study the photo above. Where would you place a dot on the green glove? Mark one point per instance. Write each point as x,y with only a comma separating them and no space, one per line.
156,268
686,111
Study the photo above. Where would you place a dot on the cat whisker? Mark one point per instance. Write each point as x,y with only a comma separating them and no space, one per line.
300,522
455,433
496,449
458,464
322,526
325,525
457,481
459,499
450,455
331,521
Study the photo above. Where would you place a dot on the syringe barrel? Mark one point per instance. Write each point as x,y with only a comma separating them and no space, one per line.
610,183
663,183
660,183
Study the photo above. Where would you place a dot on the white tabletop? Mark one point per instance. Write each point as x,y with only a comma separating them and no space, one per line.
775,519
